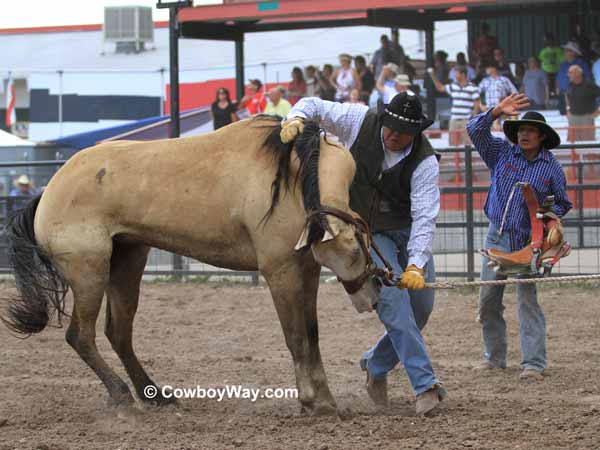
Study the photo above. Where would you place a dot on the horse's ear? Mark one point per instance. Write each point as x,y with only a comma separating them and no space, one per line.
303,241
335,227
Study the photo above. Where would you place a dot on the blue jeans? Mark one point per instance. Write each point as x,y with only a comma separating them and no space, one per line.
403,313
532,325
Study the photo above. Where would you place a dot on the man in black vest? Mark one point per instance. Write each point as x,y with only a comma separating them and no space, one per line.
395,189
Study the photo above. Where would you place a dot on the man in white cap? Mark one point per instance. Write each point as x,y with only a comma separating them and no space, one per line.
572,57
388,91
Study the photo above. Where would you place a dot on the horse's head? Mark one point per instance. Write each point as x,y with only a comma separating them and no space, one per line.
340,241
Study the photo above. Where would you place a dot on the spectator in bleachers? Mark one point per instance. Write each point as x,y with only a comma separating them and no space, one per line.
326,87
551,56
535,84
502,65
596,71
581,105
397,51
223,110
296,87
495,87
277,106
407,68
381,57
461,60
254,101
440,66
519,74
388,92
465,103
572,57
345,78
23,191
483,47
584,43
312,81
355,97
367,81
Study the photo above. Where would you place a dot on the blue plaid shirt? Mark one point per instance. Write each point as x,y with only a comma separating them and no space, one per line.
508,165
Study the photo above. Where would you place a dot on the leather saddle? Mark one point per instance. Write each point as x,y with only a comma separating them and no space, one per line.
547,245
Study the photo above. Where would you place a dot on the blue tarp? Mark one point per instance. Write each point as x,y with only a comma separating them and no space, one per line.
90,138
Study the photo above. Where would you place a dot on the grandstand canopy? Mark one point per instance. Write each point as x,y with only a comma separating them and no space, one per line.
229,21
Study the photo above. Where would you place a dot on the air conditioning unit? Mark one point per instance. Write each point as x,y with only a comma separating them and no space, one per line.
129,27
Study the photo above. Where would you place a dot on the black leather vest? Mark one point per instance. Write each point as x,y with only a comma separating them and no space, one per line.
382,198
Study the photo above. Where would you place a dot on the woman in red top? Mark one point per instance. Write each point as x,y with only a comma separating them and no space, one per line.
255,102
296,87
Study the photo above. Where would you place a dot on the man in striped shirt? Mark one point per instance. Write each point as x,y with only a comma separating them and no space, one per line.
529,160
465,103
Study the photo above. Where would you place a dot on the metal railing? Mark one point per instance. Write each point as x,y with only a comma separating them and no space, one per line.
461,226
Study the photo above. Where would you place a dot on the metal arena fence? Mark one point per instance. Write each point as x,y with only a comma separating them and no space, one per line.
461,226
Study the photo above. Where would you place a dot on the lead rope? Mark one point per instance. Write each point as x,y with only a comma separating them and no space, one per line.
459,284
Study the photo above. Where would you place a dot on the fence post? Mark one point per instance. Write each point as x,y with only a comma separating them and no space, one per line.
580,212
469,212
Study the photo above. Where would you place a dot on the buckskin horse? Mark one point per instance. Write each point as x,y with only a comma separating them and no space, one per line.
236,198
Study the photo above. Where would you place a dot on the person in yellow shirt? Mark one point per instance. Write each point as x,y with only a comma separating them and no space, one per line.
277,106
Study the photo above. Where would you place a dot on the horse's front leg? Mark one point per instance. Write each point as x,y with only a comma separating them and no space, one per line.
287,288
324,401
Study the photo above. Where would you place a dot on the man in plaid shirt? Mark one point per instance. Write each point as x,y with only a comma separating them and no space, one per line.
495,86
526,158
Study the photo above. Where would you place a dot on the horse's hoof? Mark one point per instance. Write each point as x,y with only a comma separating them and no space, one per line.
152,395
319,409
325,409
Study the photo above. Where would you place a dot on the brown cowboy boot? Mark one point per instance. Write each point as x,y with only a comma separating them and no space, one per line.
376,387
429,400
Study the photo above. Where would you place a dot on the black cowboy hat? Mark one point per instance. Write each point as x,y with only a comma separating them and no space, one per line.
511,128
404,114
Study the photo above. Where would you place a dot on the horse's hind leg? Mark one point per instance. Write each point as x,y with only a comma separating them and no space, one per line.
126,269
286,285
88,276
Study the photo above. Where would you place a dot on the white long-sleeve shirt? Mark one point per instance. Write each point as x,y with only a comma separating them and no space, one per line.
344,120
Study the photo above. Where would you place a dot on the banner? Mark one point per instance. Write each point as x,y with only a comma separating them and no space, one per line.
11,116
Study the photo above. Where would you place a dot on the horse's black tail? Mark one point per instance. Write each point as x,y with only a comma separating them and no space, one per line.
41,287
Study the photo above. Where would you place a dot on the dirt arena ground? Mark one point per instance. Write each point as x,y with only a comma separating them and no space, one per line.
210,335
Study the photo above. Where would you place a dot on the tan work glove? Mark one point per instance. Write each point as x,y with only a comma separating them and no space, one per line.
291,128
412,278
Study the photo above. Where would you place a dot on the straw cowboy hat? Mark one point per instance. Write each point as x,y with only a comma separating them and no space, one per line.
345,56
511,128
23,180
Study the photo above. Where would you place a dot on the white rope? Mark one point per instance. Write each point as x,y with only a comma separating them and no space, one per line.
535,280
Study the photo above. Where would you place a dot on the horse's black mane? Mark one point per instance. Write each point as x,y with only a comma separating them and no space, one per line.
308,151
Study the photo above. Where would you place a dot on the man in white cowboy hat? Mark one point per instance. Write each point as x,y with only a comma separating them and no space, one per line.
22,187
572,57
526,158
396,191
22,190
